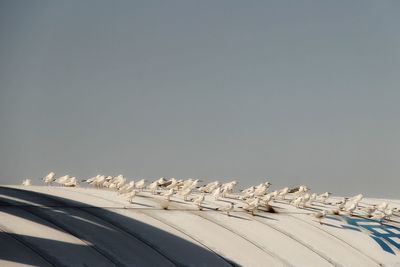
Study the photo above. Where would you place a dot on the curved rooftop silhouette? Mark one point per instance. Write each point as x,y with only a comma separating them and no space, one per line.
60,226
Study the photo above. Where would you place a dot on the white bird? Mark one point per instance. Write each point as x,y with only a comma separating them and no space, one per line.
395,210
382,207
173,184
267,184
378,215
112,186
227,209
227,188
161,180
313,198
71,182
252,206
217,193
185,193
297,202
98,181
388,213
168,194
306,197
127,188
140,184
323,197
107,182
212,187
266,199
27,182
194,184
153,187
49,178
131,195
320,215
283,192
118,181
199,200
369,210
301,191
61,180
357,198
249,190
342,204
260,191
90,180
208,188
274,194
187,183
351,208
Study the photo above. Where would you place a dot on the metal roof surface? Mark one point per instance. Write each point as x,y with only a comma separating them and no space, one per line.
60,226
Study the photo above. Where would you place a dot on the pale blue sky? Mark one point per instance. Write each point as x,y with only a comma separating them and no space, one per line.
290,91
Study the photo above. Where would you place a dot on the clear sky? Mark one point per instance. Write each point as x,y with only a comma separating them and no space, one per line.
294,92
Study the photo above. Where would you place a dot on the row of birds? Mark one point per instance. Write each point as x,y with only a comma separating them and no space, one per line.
252,199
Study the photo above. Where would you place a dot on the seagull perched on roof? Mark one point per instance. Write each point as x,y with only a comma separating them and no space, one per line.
313,198
297,202
27,182
388,213
282,193
227,188
351,208
320,215
378,215
227,209
266,199
61,180
357,198
90,180
187,183
49,178
306,199
208,188
342,204
262,189
167,195
117,182
140,184
153,187
250,189
274,194
248,193
173,184
323,197
217,193
126,188
131,195
301,190
199,200
252,206
383,206
71,182
98,181
185,193
369,210
107,182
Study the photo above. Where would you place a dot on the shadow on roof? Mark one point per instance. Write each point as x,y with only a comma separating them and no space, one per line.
96,236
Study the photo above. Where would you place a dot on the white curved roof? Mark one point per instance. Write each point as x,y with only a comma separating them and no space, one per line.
59,226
